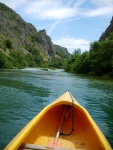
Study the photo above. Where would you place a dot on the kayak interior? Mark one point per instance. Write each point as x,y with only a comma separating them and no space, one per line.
76,131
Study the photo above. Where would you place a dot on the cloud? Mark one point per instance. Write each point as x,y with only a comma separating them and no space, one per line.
101,3
50,9
14,4
100,12
72,43
61,9
100,8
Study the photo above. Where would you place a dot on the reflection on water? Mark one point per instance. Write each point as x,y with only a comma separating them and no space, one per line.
23,93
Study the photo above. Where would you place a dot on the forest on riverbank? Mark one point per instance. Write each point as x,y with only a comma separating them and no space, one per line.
98,60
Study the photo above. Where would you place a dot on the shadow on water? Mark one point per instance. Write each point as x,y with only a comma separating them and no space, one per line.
28,88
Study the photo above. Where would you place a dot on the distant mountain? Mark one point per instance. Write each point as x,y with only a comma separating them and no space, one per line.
107,32
16,34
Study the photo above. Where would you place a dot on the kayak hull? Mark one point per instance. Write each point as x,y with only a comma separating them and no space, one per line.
78,129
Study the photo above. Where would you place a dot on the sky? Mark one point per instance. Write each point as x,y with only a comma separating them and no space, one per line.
72,24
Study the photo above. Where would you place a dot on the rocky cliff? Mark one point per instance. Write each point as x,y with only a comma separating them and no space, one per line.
107,32
16,34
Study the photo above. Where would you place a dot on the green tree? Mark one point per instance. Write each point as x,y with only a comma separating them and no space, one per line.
19,59
95,59
55,63
5,61
110,36
36,58
101,54
71,62
77,52
82,64
31,60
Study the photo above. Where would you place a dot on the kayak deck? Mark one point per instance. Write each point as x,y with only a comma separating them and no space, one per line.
83,136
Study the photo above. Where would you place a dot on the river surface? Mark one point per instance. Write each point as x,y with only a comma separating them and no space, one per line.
23,94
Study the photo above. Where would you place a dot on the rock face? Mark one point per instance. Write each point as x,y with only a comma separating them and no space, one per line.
107,31
61,51
45,44
16,34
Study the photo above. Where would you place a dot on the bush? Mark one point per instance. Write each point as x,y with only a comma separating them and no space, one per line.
5,61
19,59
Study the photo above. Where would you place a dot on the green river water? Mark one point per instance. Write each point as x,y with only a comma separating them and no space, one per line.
23,94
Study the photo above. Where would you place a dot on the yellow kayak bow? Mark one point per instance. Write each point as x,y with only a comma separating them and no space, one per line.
62,125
